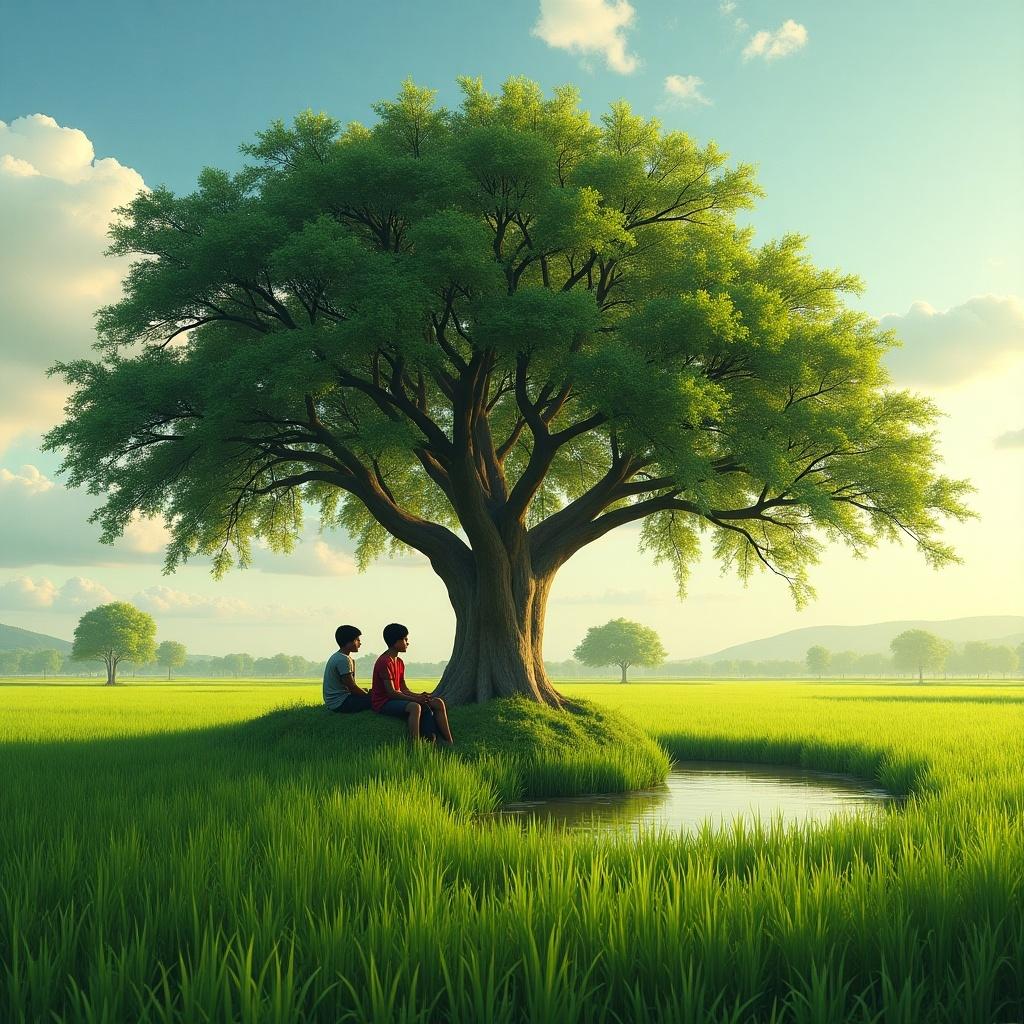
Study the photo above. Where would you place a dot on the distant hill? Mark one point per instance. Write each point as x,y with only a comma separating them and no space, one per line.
14,639
873,638
1013,640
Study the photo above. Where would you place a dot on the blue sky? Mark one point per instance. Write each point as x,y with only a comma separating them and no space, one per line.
889,133
891,137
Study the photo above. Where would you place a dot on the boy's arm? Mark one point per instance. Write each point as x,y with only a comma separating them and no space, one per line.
406,693
348,680
350,684
420,697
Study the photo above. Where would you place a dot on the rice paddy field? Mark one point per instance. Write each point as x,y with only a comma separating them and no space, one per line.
205,851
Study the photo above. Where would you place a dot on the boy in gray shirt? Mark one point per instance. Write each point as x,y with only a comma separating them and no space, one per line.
341,693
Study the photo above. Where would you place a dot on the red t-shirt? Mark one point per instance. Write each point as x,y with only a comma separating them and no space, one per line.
387,671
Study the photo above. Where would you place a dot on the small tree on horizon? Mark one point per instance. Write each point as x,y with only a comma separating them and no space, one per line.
171,654
818,660
915,650
620,642
113,633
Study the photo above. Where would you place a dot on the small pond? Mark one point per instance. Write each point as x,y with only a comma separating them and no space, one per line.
715,793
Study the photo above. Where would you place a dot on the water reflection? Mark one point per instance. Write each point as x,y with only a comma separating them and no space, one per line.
698,794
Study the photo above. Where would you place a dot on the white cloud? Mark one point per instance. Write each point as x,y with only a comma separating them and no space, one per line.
56,202
1011,439
788,38
30,480
22,593
728,10
29,402
16,168
589,26
312,556
43,523
76,594
943,349
81,594
145,536
685,89
166,601
335,563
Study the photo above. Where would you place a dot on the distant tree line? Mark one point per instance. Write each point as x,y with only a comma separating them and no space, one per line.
981,659
974,659
728,668
52,662
172,656
917,651
31,663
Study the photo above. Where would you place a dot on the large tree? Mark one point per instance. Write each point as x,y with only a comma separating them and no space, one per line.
113,633
492,335
620,642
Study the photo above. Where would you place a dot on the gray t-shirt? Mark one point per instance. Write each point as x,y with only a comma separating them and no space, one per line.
338,665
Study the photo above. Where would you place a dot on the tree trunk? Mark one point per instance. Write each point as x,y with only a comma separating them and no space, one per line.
624,665
499,634
111,673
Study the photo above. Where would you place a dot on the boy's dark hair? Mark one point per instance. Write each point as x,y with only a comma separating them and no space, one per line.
346,634
394,631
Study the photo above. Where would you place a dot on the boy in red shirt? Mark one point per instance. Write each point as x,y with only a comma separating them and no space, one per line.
427,715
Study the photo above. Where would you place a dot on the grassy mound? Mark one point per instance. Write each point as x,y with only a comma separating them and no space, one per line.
539,751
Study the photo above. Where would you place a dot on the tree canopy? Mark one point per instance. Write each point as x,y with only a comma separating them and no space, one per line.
818,660
620,642
493,335
113,633
916,650
171,654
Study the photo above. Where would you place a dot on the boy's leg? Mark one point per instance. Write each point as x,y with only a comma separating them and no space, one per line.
354,703
412,709
428,724
407,709
440,713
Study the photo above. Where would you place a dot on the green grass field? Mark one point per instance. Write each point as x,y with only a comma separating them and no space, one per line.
172,853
